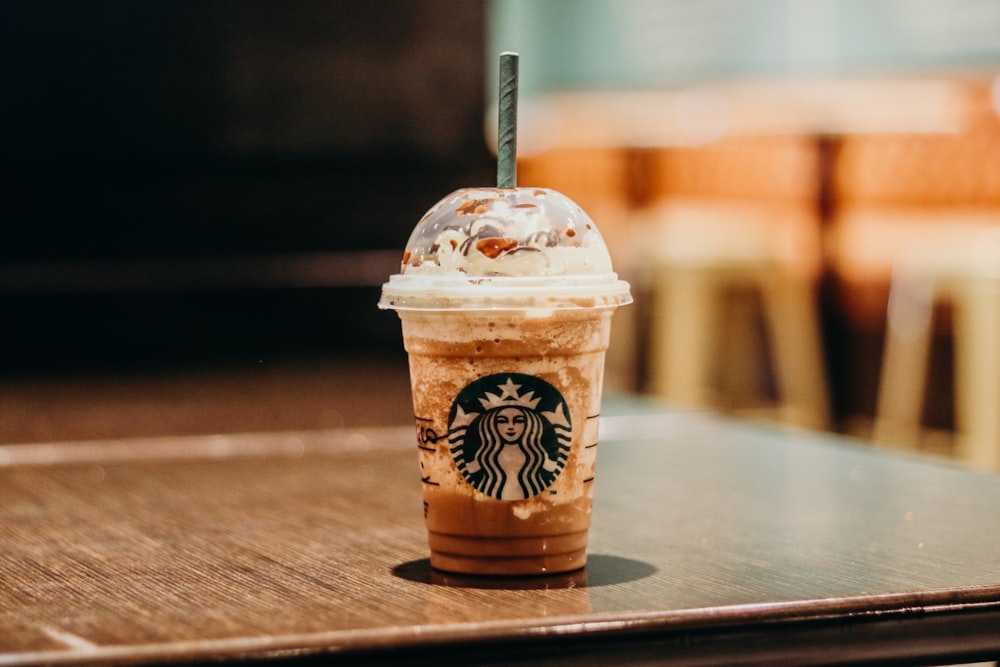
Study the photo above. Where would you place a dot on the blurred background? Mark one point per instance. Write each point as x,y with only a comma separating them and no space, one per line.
200,200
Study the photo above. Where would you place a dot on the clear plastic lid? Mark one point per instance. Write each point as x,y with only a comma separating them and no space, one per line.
505,248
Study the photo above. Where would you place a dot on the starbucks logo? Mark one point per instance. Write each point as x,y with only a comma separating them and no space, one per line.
509,435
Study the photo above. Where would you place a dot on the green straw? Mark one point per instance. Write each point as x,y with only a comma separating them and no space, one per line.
507,122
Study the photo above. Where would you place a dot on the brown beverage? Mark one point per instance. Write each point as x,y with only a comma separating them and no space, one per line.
506,365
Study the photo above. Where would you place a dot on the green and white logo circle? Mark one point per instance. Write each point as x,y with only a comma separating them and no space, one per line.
509,434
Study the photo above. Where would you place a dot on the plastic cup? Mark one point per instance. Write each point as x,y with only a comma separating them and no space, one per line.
505,298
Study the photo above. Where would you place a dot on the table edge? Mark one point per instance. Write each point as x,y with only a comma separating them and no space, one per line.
619,631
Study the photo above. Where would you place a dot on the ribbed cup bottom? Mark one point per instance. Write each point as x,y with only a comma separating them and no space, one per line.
508,556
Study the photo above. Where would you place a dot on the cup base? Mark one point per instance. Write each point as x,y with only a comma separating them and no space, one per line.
508,556
499,566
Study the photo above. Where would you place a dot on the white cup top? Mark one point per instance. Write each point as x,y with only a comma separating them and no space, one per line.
505,248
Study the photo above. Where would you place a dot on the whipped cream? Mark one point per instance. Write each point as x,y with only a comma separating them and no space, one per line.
518,232
505,248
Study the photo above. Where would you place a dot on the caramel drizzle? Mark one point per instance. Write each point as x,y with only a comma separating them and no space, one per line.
487,241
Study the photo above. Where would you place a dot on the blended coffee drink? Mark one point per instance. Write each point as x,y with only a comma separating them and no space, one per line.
505,298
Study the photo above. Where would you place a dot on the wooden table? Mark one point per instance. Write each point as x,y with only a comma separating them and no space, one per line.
713,542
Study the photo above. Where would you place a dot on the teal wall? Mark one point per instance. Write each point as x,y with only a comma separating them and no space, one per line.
574,44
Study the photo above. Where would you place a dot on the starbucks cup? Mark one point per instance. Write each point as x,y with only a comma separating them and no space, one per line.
505,298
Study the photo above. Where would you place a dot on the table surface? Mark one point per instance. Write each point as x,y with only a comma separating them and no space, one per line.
713,541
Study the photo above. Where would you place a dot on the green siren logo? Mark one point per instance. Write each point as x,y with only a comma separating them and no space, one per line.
509,435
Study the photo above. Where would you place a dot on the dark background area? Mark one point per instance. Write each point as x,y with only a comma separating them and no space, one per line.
175,137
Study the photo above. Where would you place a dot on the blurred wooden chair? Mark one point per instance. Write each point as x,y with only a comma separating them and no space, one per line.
922,213
963,271
735,222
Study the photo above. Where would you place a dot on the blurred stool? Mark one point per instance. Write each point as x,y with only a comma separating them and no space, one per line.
697,256
964,272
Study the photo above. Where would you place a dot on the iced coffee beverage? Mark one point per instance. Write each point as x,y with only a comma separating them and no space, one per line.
506,298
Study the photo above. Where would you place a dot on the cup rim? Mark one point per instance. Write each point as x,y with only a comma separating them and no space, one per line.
432,292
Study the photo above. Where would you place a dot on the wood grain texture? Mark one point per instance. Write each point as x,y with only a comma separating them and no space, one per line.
271,395
712,540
